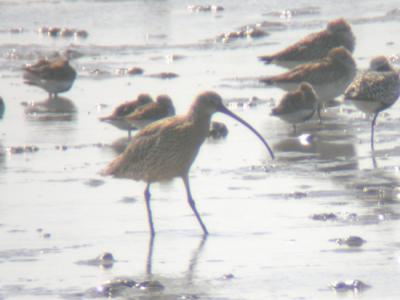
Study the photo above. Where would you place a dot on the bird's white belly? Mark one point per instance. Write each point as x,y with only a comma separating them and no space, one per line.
367,106
298,116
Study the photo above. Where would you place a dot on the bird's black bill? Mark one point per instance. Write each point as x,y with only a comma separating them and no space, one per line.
226,111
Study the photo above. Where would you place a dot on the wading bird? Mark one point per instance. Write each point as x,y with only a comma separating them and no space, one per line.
55,75
167,148
375,90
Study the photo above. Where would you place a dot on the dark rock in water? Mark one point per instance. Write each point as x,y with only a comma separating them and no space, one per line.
324,217
152,286
120,144
46,235
83,34
244,32
17,30
205,8
62,147
53,31
165,75
66,32
22,149
351,241
104,260
217,130
135,71
228,276
349,286
113,288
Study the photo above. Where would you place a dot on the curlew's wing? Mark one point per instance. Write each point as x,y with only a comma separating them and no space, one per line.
162,150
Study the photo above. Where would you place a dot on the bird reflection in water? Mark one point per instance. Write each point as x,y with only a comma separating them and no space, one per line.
192,264
51,109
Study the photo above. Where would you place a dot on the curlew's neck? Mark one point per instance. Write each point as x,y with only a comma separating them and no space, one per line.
200,120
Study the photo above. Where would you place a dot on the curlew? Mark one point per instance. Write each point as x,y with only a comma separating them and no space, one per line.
375,90
315,45
166,149
55,75
297,106
329,76
117,117
160,109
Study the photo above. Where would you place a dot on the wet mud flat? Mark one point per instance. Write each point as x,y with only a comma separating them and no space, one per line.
319,222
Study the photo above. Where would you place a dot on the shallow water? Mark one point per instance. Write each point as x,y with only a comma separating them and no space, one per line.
264,216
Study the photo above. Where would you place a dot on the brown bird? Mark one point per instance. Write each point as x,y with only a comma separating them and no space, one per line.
329,76
375,90
117,117
315,45
55,75
167,148
154,111
297,106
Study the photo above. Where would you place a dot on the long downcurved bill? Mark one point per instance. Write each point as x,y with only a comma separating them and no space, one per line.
226,111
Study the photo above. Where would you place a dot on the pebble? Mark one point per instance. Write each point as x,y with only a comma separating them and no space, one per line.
349,285
351,241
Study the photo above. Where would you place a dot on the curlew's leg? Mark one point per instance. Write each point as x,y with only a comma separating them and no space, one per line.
149,262
149,213
129,134
373,130
294,128
193,205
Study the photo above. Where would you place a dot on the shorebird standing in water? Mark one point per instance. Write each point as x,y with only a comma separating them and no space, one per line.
55,75
315,45
297,106
166,149
160,109
329,76
117,117
375,90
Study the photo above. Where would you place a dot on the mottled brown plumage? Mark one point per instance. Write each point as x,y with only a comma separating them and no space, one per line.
161,108
117,117
375,90
314,46
55,75
167,148
297,106
329,76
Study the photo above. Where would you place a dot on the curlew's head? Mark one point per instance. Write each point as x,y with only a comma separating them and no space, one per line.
208,103
380,64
